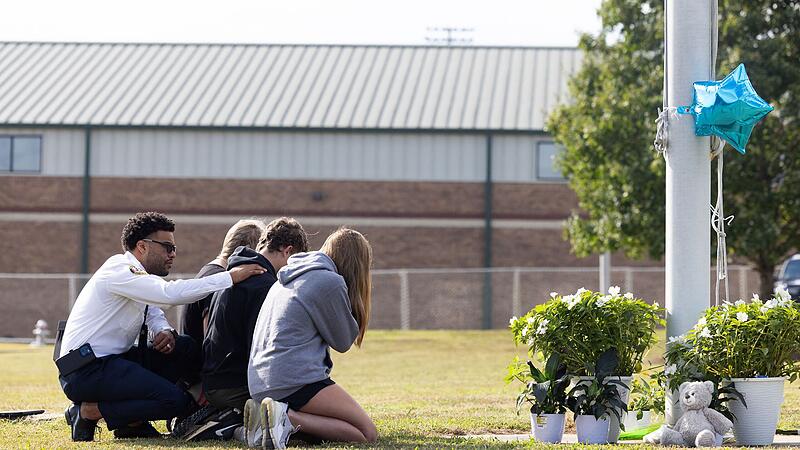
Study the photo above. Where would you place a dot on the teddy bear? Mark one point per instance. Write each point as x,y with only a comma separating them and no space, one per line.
699,424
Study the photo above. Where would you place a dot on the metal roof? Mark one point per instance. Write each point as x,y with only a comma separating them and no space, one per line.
282,86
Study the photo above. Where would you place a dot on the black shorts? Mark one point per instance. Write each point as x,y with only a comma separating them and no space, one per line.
303,395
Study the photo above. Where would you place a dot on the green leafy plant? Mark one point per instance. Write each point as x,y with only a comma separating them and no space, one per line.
647,394
683,362
583,325
546,390
600,396
746,339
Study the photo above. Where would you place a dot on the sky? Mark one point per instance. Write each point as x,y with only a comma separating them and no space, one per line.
491,22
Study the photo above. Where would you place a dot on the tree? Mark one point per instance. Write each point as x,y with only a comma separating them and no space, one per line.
608,128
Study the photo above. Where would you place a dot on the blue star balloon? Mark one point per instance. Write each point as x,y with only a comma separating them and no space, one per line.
729,108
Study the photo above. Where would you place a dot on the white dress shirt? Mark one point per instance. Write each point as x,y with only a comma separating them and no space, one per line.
110,309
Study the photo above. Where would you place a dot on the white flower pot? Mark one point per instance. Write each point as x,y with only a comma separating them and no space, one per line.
591,430
548,427
613,429
672,407
756,424
632,423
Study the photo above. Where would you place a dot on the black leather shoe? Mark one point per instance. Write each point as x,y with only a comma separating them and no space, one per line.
82,429
145,430
67,416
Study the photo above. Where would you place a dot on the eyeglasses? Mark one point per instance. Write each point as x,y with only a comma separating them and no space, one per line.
168,246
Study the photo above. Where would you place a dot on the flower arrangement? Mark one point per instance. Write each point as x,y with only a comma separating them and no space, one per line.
581,326
740,340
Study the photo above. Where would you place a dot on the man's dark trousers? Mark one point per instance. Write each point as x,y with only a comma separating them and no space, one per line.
126,392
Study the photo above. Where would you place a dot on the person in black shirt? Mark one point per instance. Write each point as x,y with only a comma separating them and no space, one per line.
233,314
194,318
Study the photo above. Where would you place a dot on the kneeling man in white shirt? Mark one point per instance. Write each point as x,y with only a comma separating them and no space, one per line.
122,384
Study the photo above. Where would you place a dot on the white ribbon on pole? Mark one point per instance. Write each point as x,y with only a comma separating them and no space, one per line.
718,222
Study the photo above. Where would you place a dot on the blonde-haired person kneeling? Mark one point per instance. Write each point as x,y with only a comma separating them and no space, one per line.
321,300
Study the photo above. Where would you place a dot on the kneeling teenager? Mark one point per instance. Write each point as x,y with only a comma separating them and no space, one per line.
321,301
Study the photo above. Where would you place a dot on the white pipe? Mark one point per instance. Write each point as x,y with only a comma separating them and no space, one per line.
604,268
688,234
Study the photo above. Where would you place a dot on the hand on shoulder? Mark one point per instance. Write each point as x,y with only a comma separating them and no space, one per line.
241,273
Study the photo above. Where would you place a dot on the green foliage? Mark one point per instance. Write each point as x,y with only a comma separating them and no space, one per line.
600,397
740,340
582,326
546,390
744,340
684,364
647,394
608,127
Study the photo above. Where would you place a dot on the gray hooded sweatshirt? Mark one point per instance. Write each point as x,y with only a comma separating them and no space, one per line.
305,313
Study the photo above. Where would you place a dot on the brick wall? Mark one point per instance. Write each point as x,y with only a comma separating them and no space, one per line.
318,198
446,301
53,246
35,193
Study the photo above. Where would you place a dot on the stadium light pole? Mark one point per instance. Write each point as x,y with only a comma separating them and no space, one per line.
688,59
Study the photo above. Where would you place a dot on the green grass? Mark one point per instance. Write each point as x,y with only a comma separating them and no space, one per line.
423,389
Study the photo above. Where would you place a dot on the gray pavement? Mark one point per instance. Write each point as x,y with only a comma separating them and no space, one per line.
780,440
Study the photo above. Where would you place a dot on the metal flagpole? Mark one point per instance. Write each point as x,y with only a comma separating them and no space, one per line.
688,234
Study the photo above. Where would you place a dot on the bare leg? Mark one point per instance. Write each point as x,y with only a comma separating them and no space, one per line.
334,415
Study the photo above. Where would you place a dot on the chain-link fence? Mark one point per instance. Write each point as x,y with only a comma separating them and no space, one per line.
402,298
456,298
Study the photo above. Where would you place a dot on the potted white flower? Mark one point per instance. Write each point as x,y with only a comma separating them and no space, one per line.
581,326
595,402
751,346
546,392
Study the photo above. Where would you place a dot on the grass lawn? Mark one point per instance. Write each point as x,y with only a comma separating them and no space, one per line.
422,388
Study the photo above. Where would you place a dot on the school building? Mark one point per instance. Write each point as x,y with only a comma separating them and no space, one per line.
439,155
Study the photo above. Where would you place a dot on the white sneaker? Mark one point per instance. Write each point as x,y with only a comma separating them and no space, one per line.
252,424
276,424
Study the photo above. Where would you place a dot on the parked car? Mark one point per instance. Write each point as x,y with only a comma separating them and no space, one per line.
788,276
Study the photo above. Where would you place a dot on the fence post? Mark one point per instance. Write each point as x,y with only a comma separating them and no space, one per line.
516,305
604,269
743,282
71,293
487,238
405,302
628,280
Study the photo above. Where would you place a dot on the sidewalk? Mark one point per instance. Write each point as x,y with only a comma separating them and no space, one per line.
780,440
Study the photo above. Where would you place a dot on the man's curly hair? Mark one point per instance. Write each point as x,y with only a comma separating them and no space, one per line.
282,233
142,225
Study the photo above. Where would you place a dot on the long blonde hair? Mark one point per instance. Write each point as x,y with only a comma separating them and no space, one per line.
352,254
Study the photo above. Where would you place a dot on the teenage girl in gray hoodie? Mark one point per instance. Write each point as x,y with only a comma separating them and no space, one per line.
321,300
